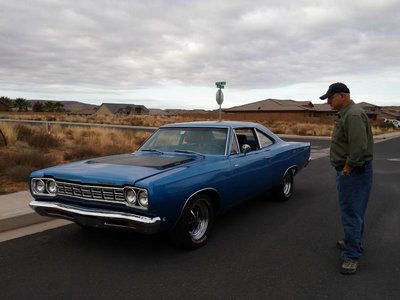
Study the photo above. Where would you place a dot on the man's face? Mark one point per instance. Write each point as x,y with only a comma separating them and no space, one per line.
336,101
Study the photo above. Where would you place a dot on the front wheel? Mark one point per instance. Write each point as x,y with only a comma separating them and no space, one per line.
192,229
284,191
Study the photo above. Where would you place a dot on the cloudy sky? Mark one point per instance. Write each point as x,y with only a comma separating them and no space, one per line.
169,54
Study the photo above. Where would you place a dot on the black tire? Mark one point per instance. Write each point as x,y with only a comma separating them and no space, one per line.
192,229
284,191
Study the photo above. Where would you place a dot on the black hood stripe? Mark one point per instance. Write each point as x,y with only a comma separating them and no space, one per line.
151,161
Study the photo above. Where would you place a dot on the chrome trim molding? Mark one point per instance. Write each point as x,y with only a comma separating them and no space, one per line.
78,214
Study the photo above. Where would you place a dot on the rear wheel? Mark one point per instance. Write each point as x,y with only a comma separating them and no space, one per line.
193,228
284,191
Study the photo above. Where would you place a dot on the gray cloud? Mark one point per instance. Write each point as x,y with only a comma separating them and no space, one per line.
108,46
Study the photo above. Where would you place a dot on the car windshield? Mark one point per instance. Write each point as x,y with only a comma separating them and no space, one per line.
202,140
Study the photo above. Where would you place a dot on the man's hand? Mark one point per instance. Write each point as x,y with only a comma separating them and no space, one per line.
347,170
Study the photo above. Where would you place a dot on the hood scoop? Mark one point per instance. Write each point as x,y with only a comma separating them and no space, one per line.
150,161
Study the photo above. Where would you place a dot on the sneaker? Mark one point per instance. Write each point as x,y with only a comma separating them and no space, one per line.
349,266
342,246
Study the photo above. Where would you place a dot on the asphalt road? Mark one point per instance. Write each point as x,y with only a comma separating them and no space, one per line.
260,250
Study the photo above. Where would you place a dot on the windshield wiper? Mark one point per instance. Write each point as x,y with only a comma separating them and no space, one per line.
153,150
189,152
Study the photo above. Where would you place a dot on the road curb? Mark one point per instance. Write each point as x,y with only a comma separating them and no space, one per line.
22,220
15,211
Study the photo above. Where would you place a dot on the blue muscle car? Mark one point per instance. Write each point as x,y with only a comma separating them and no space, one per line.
177,181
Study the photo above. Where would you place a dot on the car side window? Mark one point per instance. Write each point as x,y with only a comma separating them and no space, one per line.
247,136
234,145
264,139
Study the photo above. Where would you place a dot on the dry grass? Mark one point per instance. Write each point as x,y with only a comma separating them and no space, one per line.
303,129
133,120
32,147
10,133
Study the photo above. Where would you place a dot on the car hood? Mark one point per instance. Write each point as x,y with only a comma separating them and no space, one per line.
115,170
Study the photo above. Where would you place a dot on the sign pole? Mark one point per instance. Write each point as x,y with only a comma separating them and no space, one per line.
220,96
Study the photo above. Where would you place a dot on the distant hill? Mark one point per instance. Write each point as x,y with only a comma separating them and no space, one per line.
79,107
73,106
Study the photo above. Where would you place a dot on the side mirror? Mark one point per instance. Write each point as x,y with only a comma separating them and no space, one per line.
246,148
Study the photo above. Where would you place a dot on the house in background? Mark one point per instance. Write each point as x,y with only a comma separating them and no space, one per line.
377,113
4,107
121,109
283,110
371,110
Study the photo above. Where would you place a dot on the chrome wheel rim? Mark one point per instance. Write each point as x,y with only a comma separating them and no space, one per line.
287,185
198,220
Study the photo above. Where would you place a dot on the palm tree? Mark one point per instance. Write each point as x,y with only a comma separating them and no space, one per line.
22,104
53,106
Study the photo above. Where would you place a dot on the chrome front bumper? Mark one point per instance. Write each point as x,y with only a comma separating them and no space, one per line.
97,218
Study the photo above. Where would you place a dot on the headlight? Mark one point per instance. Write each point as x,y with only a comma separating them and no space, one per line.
51,187
130,196
44,186
39,186
143,198
136,197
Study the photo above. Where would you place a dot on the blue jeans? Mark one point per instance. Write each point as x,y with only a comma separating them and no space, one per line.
354,191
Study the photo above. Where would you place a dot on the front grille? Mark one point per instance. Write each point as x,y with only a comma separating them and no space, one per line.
97,193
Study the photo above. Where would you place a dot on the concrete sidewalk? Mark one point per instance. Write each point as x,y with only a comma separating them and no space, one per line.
15,211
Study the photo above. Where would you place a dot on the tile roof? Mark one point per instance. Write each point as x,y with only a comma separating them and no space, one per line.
280,105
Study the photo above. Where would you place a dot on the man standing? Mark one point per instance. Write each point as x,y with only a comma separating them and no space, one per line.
351,155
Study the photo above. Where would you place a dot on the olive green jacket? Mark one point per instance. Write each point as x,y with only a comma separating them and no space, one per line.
352,139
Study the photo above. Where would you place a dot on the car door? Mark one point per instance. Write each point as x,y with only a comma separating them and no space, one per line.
249,168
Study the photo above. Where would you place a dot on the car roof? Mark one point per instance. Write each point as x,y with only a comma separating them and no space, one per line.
224,124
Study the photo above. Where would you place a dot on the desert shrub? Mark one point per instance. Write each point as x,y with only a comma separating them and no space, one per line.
135,122
43,140
386,126
6,161
83,152
378,129
20,173
24,132
86,133
22,164
140,137
300,131
34,158
91,119
69,134
9,133
116,149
